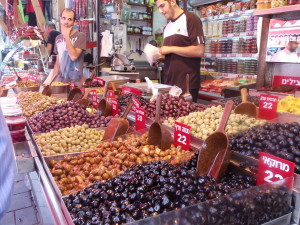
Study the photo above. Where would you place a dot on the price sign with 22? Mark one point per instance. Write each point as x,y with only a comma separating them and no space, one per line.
268,107
182,135
140,119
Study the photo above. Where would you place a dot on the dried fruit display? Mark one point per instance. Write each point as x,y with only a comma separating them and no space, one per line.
108,160
69,140
25,83
67,114
282,140
33,103
289,104
123,100
205,123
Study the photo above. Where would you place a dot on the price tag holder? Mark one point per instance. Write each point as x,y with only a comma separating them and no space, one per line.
140,119
268,107
182,135
114,106
31,77
136,104
94,99
101,81
272,168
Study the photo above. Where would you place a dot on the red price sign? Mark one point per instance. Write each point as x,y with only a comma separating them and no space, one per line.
110,95
268,107
140,119
182,135
136,104
31,77
286,80
272,168
101,81
126,90
114,106
94,99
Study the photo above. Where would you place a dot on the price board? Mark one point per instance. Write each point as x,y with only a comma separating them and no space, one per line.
272,168
94,99
98,79
268,107
31,77
140,119
114,106
182,135
136,104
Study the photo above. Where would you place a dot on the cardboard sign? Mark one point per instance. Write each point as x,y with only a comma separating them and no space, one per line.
268,107
140,119
136,104
182,135
114,106
98,79
94,99
272,168
286,80
31,77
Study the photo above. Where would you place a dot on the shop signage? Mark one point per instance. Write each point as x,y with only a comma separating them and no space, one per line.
286,80
272,168
182,135
101,81
140,119
268,107
94,99
114,106
31,77
136,104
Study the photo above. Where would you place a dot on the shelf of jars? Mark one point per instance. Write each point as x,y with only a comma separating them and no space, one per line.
232,55
289,12
228,75
232,35
229,15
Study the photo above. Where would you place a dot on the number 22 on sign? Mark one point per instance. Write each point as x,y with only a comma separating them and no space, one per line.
182,135
268,107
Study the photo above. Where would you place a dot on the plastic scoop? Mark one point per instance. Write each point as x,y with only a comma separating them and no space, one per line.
159,135
246,107
74,95
214,152
187,95
117,126
103,106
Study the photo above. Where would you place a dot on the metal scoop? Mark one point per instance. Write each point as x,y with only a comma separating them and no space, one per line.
246,107
159,135
117,126
213,157
187,95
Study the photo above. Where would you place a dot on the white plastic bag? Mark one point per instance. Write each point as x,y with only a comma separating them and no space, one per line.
152,53
175,91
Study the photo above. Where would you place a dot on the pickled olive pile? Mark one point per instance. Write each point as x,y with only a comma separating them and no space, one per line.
25,83
174,107
108,160
147,190
289,104
67,114
93,84
33,103
237,100
205,123
282,140
68,140
123,100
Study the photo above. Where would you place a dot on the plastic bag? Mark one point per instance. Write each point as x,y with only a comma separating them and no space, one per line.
152,53
175,91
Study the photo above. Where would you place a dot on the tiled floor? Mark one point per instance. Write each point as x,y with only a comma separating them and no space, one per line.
22,209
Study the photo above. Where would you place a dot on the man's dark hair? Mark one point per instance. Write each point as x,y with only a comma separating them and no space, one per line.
69,10
51,25
177,1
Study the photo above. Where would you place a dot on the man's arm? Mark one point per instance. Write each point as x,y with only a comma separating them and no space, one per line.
194,51
56,68
49,48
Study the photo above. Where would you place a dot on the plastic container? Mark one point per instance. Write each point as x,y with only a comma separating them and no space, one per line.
263,5
278,3
15,123
18,136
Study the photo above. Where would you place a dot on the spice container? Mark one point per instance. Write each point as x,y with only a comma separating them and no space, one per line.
15,123
263,5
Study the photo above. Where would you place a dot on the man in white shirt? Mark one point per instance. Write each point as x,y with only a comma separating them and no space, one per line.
288,54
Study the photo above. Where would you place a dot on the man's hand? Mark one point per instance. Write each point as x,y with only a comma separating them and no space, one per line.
164,50
66,31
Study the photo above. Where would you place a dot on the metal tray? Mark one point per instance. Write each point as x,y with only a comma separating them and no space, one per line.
162,88
116,79
24,157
